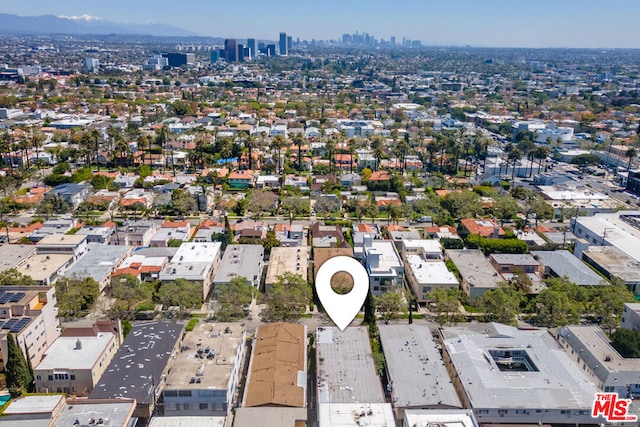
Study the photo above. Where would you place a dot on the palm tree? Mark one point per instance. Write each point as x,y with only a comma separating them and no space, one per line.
115,136
541,154
277,143
250,143
5,147
466,145
330,147
37,141
631,154
353,146
144,144
514,155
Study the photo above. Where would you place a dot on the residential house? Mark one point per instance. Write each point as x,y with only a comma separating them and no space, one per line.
195,263
99,262
142,267
290,235
69,194
278,367
171,231
481,359
76,360
149,349
383,263
488,228
425,268
327,236
63,244
322,255
29,313
268,182
477,273
136,233
245,261
204,378
241,180
350,180
283,260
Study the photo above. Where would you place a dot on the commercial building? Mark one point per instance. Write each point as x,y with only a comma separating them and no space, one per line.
205,373
425,268
417,376
99,262
230,51
278,367
283,260
345,369
36,411
383,263
283,45
567,200
74,363
241,261
194,262
177,59
29,314
478,275
506,375
188,421
139,369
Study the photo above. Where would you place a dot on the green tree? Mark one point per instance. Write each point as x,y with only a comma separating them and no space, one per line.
100,182
16,369
182,202
232,297
505,207
608,304
76,296
462,204
261,202
627,342
446,305
270,241
288,298
501,304
182,293
13,277
390,305
369,310
555,307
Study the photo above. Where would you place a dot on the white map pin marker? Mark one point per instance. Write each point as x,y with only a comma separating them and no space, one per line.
342,309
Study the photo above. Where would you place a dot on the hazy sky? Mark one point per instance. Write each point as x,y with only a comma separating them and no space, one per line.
518,23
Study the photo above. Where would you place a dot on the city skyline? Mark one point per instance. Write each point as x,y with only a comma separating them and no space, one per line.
539,24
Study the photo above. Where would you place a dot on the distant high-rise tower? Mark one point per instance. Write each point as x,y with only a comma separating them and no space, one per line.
231,50
283,44
393,40
289,43
92,64
253,51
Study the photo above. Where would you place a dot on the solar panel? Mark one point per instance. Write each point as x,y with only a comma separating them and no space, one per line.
10,324
16,297
20,324
4,299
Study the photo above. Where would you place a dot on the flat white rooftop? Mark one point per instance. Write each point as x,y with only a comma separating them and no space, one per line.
187,422
548,379
416,369
355,414
440,417
34,405
431,272
64,353
345,368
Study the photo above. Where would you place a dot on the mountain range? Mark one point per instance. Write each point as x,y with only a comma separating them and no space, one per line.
85,24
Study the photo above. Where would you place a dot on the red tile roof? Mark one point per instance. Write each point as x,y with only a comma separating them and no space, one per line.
482,230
